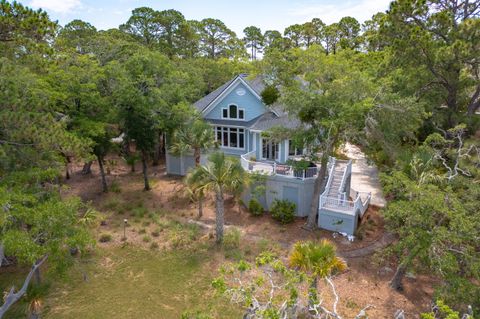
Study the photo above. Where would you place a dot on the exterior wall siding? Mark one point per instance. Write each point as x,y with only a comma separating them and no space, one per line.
279,187
179,165
252,105
337,221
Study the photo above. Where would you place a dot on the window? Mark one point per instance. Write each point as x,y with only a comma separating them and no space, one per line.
232,109
231,137
233,112
292,150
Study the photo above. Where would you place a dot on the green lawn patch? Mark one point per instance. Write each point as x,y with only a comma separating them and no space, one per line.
133,283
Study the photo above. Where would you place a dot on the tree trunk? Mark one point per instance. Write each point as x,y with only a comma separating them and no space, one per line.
102,174
67,168
474,103
12,297
87,168
220,212
38,276
318,189
145,173
396,282
3,259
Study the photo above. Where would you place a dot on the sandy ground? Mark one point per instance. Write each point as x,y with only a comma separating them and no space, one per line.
364,175
365,282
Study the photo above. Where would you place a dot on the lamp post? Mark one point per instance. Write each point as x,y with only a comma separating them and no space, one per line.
125,221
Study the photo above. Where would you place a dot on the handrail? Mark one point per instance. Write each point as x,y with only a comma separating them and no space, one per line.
347,171
277,169
331,163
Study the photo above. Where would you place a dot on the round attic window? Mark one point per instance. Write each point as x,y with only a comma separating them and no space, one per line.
241,91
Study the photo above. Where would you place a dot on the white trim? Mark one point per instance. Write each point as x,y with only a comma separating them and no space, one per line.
229,89
238,113
277,158
228,131
287,146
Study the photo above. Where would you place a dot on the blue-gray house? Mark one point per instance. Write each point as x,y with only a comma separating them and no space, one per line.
239,117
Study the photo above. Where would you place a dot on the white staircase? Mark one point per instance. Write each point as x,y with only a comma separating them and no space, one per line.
335,197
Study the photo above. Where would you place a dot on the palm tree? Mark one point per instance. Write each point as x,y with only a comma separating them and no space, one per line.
197,136
318,259
221,175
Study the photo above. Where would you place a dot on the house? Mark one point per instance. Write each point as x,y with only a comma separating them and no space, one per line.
239,119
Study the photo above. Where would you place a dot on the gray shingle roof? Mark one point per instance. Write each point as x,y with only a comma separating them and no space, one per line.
269,120
205,101
263,122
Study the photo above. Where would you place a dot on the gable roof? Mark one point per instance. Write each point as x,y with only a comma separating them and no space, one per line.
257,85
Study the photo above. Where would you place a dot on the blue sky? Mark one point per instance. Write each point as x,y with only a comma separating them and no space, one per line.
266,14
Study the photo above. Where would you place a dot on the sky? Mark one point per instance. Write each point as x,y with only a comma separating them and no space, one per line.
266,14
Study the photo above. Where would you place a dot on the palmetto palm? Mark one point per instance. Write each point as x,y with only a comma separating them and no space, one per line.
318,259
196,136
221,174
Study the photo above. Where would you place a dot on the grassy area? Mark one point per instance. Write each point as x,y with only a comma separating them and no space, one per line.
131,283
134,283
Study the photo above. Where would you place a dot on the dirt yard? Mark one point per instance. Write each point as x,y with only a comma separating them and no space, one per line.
364,283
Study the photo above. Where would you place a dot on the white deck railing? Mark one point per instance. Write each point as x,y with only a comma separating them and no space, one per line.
360,200
273,168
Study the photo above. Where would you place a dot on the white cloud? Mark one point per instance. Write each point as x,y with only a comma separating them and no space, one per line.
59,6
360,9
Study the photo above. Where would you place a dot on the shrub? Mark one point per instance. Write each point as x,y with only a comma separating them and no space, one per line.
283,211
139,212
254,207
105,238
142,231
231,240
146,239
146,223
115,187
156,232
153,246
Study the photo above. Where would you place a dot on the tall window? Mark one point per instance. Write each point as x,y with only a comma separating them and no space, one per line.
292,150
230,136
233,112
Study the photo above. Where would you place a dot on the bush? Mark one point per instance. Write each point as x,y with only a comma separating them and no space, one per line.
283,211
153,246
105,238
156,232
115,187
146,239
231,240
142,231
254,207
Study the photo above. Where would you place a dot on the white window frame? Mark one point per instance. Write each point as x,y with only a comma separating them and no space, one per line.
301,151
228,129
277,158
238,112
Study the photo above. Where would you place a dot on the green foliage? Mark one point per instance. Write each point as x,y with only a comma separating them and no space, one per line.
443,311
221,174
232,238
255,208
283,211
270,95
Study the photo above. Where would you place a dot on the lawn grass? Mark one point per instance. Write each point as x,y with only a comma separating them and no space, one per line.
134,283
